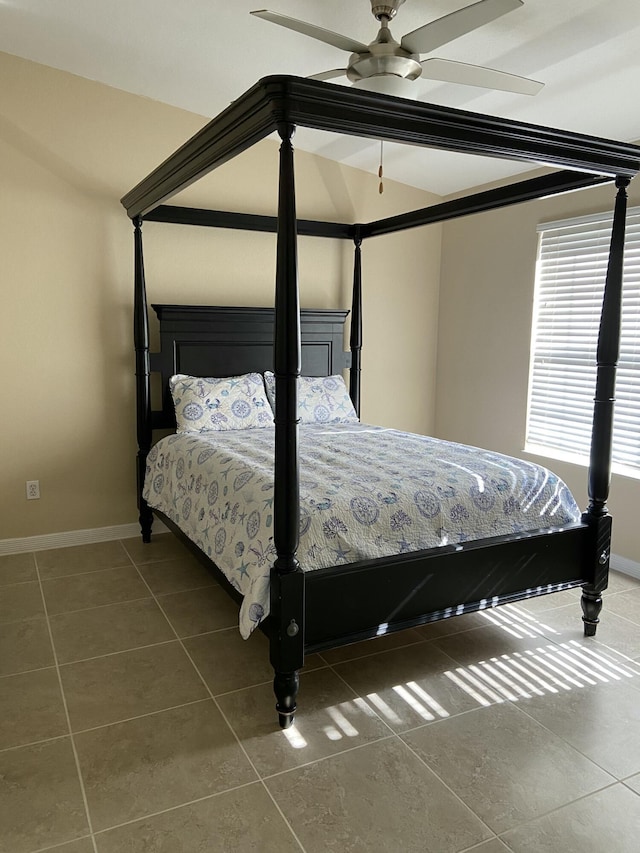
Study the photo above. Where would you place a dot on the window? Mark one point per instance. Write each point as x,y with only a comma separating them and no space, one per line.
570,276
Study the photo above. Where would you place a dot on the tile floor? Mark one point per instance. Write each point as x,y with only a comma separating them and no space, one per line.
134,719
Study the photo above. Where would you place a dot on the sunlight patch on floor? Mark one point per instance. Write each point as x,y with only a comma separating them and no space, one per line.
546,669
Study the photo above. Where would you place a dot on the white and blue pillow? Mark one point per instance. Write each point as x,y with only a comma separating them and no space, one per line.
321,399
206,403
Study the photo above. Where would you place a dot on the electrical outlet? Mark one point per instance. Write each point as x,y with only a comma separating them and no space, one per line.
33,490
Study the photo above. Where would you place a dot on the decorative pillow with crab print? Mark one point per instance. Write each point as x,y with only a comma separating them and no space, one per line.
207,403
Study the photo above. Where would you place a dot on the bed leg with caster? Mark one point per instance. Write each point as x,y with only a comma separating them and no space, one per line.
145,518
285,686
591,606
592,591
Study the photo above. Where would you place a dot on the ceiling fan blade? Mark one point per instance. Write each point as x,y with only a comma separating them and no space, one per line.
450,27
477,75
327,36
328,75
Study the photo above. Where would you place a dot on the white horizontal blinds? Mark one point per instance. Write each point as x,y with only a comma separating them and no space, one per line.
570,276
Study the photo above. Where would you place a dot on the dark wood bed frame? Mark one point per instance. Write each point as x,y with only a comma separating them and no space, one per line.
397,592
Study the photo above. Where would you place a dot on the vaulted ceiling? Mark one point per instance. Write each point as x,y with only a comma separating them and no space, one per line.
201,54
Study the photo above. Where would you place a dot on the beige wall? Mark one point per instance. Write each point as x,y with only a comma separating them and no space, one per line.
486,301
69,149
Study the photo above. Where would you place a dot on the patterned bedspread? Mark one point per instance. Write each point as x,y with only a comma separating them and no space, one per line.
364,492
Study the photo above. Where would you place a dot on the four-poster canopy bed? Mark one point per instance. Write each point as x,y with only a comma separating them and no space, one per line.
337,604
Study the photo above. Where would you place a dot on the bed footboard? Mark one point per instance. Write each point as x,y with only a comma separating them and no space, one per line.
363,600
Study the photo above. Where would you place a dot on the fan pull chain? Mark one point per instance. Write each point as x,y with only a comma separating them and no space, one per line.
381,185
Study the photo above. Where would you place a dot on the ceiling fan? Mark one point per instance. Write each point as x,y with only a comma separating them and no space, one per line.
388,66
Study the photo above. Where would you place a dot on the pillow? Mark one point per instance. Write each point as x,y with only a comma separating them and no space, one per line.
321,399
205,403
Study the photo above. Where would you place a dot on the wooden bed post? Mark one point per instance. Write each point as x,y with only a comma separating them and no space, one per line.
143,378
356,324
602,432
287,580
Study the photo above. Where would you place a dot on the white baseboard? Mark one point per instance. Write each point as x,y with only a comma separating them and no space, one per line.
624,565
75,537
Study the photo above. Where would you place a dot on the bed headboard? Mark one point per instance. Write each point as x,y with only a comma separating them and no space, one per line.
204,340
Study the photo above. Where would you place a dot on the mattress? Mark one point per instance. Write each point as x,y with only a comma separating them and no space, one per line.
365,492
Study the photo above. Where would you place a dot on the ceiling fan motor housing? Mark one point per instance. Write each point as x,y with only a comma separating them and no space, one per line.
385,10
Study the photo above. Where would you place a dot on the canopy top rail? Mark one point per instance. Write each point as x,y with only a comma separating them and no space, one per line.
283,100
539,187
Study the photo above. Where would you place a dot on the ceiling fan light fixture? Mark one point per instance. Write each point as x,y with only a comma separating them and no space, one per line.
389,84
383,63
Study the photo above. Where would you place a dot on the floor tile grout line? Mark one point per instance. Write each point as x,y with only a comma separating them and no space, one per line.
426,723
140,716
87,609
212,585
355,693
259,775
620,616
118,652
104,606
557,809
610,784
13,584
427,640
130,565
68,718
32,743
257,684
323,758
481,844
397,736
371,654
136,648
448,787
125,601
175,808
84,574
131,648
60,845
20,621
180,554
113,569
180,641
550,643
205,633
603,615
26,671
229,726
519,706
437,721
214,696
